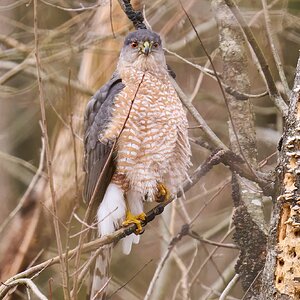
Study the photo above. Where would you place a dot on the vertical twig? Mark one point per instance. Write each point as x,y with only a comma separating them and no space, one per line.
159,268
48,153
273,92
111,19
273,48
73,139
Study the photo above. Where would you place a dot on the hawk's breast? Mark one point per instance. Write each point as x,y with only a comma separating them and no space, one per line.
153,145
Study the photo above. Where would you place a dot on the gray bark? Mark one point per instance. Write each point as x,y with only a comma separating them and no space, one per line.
248,215
282,268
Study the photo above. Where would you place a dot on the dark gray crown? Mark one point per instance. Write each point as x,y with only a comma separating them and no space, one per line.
142,35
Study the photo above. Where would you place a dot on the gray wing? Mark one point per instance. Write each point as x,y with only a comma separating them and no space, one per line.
96,154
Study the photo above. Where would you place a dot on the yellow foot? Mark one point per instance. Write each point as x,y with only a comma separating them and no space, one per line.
131,219
163,193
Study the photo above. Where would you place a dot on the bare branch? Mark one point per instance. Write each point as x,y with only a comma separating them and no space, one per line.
230,90
196,115
31,186
273,48
230,285
48,154
13,5
163,260
102,289
29,283
132,277
18,161
273,92
79,9
207,259
194,235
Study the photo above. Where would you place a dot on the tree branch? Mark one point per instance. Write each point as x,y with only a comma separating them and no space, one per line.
273,92
48,154
136,17
280,276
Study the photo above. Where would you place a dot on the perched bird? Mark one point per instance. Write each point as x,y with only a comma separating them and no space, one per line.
136,142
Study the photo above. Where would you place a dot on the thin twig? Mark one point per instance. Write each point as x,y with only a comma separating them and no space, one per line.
79,9
194,235
274,50
217,193
212,291
251,285
13,43
201,76
223,93
86,267
237,94
214,264
73,135
111,19
273,92
189,268
55,78
48,153
207,259
162,262
34,260
196,115
254,19
63,121
102,289
28,191
230,285
218,284
29,283
12,5
18,161
132,277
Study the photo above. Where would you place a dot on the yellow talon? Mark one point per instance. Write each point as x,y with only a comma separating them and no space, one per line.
131,219
163,193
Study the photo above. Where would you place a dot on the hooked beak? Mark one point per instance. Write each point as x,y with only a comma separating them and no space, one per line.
146,48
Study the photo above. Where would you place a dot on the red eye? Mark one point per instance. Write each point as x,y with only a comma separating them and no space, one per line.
155,45
134,44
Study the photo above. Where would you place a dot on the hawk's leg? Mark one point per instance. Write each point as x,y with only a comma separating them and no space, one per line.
131,219
163,194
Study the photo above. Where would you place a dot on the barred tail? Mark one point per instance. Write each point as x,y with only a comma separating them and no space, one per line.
110,214
101,274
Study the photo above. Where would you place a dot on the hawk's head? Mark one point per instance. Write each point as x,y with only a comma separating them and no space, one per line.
143,50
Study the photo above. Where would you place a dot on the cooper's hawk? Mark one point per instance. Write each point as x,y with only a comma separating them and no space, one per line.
138,109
